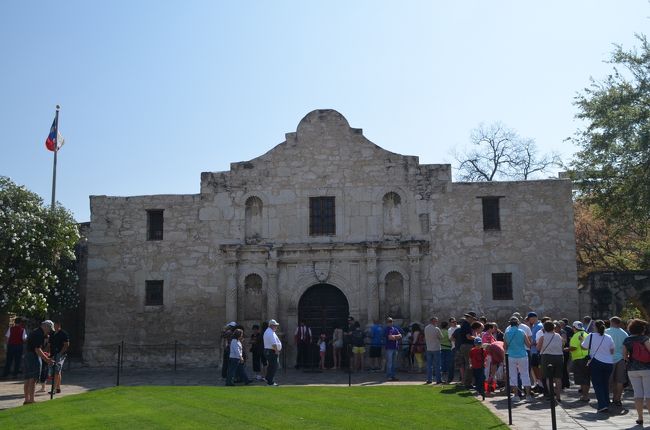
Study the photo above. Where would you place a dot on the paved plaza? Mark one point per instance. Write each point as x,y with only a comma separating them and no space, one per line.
571,414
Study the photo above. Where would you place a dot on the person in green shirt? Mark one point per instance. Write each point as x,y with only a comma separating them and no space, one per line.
579,354
446,354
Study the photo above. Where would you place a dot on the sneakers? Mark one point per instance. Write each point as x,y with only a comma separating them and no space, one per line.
258,377
275,384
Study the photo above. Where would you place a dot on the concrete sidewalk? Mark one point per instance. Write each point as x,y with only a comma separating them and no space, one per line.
571,414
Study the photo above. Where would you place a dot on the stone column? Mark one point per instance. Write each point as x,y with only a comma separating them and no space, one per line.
272,287
382,300
415,303
231,285
373,293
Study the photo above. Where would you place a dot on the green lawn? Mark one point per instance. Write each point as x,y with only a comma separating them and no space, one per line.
139,408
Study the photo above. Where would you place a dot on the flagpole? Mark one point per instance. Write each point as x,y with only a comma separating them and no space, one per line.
56,149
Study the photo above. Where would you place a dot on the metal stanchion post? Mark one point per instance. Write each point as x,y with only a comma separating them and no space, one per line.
552,394
122,357
175,349
508,390
53,374
349,365
119,359
283,361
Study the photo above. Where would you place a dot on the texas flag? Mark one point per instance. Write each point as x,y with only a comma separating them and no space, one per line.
54,140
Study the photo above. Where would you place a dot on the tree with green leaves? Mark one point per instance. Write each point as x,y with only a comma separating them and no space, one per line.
37,260
612,169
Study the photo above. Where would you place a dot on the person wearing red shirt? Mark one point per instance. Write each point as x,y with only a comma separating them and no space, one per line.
16,337
477,362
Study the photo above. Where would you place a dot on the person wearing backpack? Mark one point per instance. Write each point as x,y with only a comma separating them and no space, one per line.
637,355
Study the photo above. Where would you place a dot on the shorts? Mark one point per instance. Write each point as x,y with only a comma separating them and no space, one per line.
458,359
619,373
558,365
32,364
59,359
581,374
358,349
375,352
338,344
535,359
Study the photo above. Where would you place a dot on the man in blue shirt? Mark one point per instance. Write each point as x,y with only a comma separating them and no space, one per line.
619,374
393,340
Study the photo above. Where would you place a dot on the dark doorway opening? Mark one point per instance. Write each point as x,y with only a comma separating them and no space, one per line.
323,307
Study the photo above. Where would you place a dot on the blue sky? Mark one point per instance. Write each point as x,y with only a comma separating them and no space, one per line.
154,93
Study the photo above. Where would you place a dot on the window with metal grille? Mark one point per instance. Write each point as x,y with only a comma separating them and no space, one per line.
155,224
491,218
502,286
153,293
322,216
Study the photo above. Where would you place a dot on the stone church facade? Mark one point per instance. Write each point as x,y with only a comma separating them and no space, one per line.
324,225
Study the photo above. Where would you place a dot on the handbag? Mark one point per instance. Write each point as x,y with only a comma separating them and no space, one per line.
588,357
599,345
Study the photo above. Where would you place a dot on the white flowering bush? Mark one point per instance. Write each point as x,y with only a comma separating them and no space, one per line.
38,273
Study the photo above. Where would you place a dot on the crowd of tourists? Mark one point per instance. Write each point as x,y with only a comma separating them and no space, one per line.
38,354
470,352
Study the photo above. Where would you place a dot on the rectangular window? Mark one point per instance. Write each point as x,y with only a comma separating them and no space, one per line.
153,293
322,216
155,224
491,218
502,286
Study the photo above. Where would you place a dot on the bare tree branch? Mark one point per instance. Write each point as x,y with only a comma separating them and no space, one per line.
497,152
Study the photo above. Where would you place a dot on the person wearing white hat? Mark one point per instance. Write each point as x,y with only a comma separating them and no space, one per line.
226,338
581,374
272,348
34,356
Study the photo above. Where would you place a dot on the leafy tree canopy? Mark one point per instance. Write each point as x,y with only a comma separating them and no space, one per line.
37,260
613,167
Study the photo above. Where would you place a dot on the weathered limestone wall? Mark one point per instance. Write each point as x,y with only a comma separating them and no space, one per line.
536,244
120,260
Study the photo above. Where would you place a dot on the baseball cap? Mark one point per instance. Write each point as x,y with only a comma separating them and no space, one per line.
477,341
531,315
232,324
48,323
578,325
273,322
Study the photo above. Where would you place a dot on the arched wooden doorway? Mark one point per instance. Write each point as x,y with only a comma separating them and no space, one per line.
323,307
